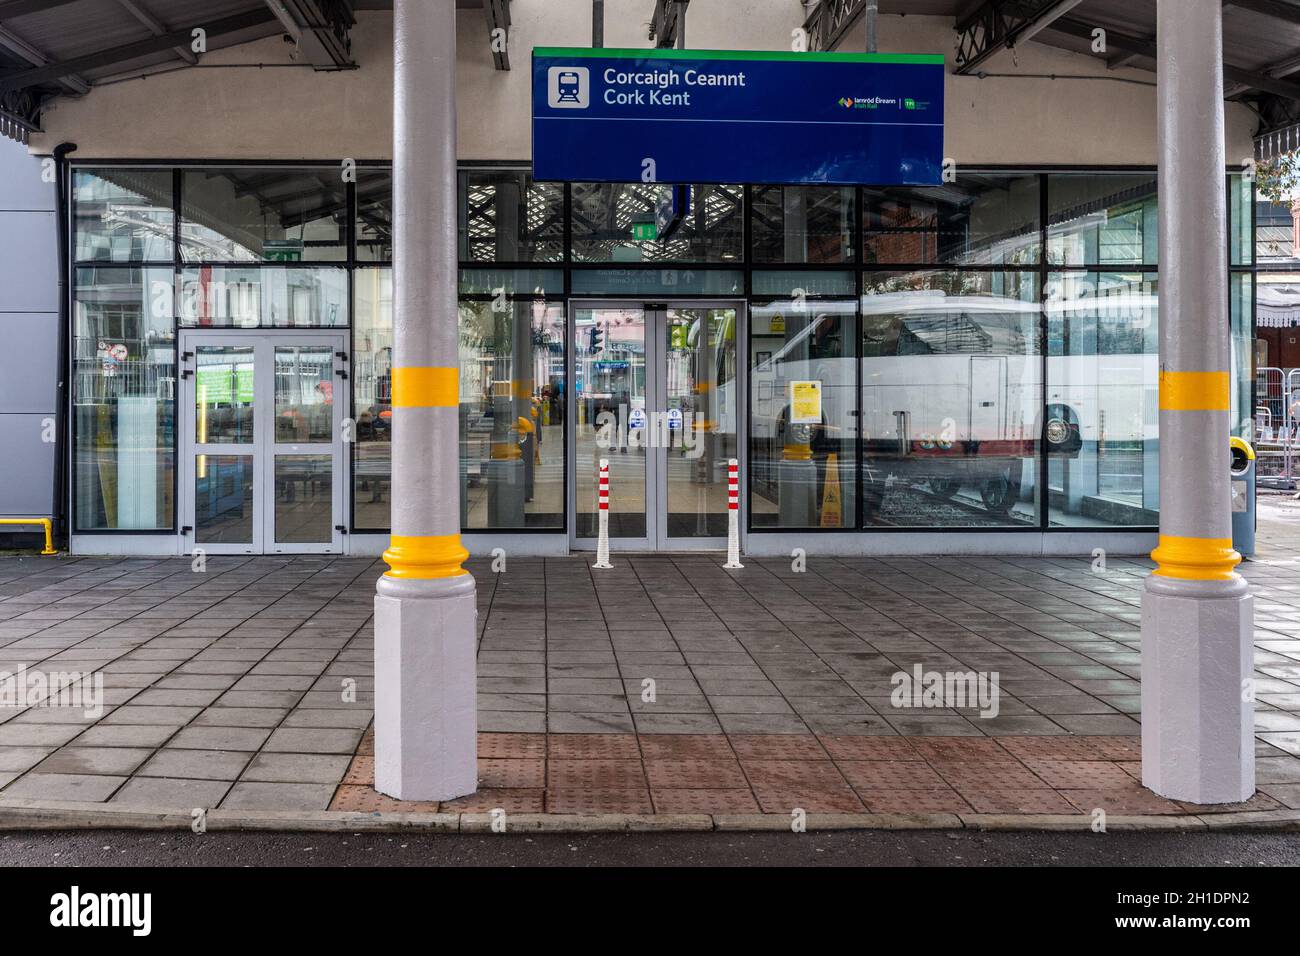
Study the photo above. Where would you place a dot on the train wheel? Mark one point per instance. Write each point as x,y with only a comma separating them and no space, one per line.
944,488
1001,493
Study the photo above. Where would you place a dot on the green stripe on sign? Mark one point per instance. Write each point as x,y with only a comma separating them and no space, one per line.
574,52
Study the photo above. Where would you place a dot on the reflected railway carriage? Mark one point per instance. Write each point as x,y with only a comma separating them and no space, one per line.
952,397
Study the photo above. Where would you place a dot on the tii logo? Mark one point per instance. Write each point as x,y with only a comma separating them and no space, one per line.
568,87
75,909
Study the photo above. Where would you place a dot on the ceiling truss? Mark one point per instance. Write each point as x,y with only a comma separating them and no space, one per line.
319,28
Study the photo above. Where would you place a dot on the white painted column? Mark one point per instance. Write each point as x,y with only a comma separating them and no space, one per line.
425,717
1197,617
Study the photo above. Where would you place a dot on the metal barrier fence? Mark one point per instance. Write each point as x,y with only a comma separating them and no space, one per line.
1277,417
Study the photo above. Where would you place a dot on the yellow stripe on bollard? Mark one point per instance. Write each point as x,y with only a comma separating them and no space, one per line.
425,556
1195,559
1194,392
426,387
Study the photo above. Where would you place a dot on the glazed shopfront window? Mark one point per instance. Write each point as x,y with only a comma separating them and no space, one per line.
124,399
512,414
952,399
803,414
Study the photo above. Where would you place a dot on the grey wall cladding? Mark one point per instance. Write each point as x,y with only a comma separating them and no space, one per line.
29,335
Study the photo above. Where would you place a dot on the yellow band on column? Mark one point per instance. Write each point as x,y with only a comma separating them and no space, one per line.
425,556
426,387
1194,392
1195,559
797,453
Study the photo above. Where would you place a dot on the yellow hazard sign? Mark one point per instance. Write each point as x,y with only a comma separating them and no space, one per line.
777,324
806,403
832,513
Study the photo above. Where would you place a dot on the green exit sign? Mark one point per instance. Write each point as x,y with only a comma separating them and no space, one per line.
282,250
645,231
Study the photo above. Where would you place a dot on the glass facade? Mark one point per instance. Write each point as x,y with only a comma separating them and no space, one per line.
124,398
372,397
1102,346
981,219
802,467
979,355
273,214
512,414
951,398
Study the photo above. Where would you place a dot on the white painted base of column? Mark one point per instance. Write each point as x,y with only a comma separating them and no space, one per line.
1198,741
426,718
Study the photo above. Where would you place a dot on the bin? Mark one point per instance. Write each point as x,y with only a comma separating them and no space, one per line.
1242,468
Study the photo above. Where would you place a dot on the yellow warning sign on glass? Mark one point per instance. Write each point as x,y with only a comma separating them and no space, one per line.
805,403
777,324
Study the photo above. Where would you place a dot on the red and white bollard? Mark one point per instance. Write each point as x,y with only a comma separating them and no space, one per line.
733,515
602,542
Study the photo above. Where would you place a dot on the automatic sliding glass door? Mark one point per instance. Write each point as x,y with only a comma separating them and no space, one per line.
614,388
655,392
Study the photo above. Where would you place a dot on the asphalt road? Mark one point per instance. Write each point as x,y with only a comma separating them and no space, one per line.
108,848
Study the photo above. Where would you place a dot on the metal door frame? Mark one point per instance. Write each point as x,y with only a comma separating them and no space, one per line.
264,449
655,311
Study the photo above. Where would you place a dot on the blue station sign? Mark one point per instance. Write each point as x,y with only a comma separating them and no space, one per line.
737,116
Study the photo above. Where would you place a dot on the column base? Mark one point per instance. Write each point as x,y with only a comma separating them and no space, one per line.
505,481
1198,741
426,718
797,493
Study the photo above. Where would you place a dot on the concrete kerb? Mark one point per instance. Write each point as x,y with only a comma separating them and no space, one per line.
18,814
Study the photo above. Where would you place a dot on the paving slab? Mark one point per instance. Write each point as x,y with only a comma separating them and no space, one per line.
94,760
196,764
772,691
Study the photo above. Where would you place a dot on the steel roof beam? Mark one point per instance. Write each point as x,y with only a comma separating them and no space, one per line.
830,20
17,79
137,10
19,8
1144,49
24,50
1284,10
1000,25
664,22
320,28
497,14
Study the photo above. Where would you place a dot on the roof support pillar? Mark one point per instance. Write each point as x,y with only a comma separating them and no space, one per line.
425,707
1197,616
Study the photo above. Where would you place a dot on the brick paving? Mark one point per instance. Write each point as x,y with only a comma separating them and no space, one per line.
667,685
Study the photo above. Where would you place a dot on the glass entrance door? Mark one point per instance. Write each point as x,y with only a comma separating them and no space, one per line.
655,391
262,430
